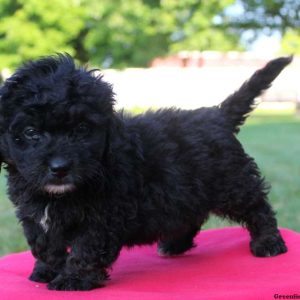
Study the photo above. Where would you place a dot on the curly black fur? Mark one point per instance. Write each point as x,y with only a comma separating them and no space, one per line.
86,180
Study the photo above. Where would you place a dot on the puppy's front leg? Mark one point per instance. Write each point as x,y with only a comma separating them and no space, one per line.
48,249
86,266
52,264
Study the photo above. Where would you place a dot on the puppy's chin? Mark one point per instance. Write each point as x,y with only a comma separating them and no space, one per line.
59,189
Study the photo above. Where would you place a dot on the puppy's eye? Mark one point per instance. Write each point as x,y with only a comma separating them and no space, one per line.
82,129
32,134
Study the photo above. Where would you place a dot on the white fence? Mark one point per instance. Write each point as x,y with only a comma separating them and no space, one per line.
194,87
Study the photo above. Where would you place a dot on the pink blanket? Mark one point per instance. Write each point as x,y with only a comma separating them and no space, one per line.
220,267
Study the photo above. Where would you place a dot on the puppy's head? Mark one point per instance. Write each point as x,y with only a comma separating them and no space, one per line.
55,121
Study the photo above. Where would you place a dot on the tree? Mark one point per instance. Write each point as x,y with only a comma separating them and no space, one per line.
106,32
267,16
138,31
291,42
132,32
31,28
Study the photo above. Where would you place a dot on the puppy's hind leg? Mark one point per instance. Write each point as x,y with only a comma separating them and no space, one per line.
179,244
262,225
248,205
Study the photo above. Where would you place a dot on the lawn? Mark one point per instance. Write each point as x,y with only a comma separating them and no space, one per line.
272,138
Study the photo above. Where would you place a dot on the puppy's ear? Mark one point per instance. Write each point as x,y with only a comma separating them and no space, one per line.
4,92
108,139
113,132
107,147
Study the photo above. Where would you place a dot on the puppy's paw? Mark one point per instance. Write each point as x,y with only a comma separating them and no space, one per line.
268,246
42,274
68,283
65,282
42,277
173,248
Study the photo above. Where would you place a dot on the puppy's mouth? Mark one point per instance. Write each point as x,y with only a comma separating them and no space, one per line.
58,189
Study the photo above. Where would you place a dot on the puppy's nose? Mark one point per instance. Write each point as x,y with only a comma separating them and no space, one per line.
59,166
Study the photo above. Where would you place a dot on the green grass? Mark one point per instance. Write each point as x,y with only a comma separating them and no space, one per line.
11,237
272,138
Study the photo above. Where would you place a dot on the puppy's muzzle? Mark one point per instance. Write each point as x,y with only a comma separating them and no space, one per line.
60,182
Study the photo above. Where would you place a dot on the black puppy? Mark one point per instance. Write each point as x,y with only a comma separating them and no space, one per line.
86,180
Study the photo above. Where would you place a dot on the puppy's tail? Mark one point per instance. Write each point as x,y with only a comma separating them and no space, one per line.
238,105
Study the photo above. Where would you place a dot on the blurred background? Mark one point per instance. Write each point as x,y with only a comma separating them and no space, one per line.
186,53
